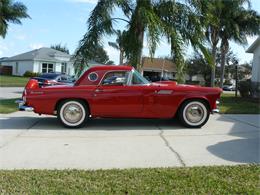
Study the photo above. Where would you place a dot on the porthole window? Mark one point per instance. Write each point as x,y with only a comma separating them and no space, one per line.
93,76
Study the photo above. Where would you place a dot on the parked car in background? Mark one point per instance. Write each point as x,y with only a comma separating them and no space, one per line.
229,87
48,79
120,92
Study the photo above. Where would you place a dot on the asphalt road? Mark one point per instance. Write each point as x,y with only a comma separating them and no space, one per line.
29,141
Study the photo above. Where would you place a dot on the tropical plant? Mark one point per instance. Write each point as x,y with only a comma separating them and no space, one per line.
61,48
11,12
120,44
149,18
226,20
237,22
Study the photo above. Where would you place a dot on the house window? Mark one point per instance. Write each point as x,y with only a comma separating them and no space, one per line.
63,67
16,67
47,68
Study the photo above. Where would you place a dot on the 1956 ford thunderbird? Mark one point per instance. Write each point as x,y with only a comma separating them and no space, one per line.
120,92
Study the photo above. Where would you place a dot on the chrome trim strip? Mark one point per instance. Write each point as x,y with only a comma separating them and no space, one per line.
165,92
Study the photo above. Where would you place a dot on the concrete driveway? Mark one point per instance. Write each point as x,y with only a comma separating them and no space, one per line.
29,141
11,92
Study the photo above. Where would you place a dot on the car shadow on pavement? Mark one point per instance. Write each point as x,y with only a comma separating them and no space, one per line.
244,149
104,124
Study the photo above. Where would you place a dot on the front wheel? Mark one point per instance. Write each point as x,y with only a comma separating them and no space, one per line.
73,113
194,113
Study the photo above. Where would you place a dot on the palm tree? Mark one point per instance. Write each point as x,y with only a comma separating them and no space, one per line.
119,44
226,20
11,13
143,17
210,12
237,23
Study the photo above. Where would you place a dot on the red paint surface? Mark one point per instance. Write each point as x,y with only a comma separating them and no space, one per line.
140,101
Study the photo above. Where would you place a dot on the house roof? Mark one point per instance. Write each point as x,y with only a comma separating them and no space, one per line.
254,45
158,64
44,53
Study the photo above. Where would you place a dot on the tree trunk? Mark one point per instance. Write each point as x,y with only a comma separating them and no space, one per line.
121,57
213,69
139,55
224,49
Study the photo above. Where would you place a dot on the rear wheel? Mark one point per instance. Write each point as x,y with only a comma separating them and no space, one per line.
73,113
194,113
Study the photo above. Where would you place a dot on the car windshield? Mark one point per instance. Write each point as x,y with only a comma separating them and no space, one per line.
138,79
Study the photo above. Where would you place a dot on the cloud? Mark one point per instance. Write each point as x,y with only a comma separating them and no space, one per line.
35,45
85,1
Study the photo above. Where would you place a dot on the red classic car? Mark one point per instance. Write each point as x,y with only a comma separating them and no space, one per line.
120,92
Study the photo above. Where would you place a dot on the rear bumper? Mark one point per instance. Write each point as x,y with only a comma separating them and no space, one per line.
23,107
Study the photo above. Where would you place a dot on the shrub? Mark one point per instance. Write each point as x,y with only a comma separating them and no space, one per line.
244,88
31,74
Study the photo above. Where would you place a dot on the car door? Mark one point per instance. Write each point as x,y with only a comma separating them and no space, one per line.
115,98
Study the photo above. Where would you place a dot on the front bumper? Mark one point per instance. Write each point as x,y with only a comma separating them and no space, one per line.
216,110
23,107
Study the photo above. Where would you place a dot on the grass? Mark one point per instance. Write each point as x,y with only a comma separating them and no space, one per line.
243,179
13,81
229,104
8,106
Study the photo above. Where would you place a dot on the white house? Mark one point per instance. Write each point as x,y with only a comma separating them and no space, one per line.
255,49
40,60
255,79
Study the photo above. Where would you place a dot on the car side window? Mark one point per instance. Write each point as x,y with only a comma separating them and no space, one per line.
136,80
115,78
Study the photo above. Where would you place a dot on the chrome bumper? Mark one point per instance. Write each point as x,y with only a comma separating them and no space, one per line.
22,107
217,109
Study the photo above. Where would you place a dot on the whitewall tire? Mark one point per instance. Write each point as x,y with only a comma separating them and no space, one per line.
73,113
194,113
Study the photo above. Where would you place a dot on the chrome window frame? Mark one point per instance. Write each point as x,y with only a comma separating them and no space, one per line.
126,71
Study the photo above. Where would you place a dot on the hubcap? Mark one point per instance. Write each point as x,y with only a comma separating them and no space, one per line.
194,113
72,113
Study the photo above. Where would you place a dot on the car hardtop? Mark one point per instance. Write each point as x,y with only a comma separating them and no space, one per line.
103,69
110,68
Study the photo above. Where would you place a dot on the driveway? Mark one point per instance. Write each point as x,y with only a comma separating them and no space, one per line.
11,92
29,141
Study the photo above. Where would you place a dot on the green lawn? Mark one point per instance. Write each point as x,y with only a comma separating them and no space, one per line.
229,104
8,106
198,180
13,81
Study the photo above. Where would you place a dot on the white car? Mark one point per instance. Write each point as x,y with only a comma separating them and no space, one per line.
229,87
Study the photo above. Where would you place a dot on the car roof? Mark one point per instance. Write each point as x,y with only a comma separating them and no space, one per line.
111,67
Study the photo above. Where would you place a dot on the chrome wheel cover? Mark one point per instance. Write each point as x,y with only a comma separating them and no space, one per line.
195,113
72,113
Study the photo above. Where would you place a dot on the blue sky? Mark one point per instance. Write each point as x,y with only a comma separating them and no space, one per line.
64,21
